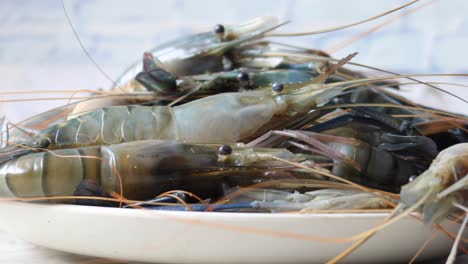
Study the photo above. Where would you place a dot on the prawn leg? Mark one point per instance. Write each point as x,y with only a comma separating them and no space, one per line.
372,115
358,161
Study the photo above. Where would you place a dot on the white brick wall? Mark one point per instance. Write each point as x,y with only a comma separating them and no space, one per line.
39,51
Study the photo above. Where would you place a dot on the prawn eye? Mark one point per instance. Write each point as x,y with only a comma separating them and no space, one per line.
277,87
412,178
219,29
225,150
243,78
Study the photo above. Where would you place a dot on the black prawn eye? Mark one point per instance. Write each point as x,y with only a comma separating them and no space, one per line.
225,150
219,29
243,78
277,87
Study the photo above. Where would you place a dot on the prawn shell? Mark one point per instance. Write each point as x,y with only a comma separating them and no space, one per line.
200,53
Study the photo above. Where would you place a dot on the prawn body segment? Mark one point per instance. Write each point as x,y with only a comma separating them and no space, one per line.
112,125
221,118
43,174
143,169
226,118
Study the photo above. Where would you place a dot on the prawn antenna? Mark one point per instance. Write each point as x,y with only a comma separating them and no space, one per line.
344,43
84,49
410,78
343,26
453,251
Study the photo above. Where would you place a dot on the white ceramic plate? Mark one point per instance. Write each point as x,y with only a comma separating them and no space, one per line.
202,237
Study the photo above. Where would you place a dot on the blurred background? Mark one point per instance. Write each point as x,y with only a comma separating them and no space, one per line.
38,50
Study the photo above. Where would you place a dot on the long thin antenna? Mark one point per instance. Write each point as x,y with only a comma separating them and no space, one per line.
343,43
342,26
410,78
453,251
84,49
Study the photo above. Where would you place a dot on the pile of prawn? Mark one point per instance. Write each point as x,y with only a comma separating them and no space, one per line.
228,121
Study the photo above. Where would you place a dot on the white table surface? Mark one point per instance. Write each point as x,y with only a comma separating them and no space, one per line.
17,251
